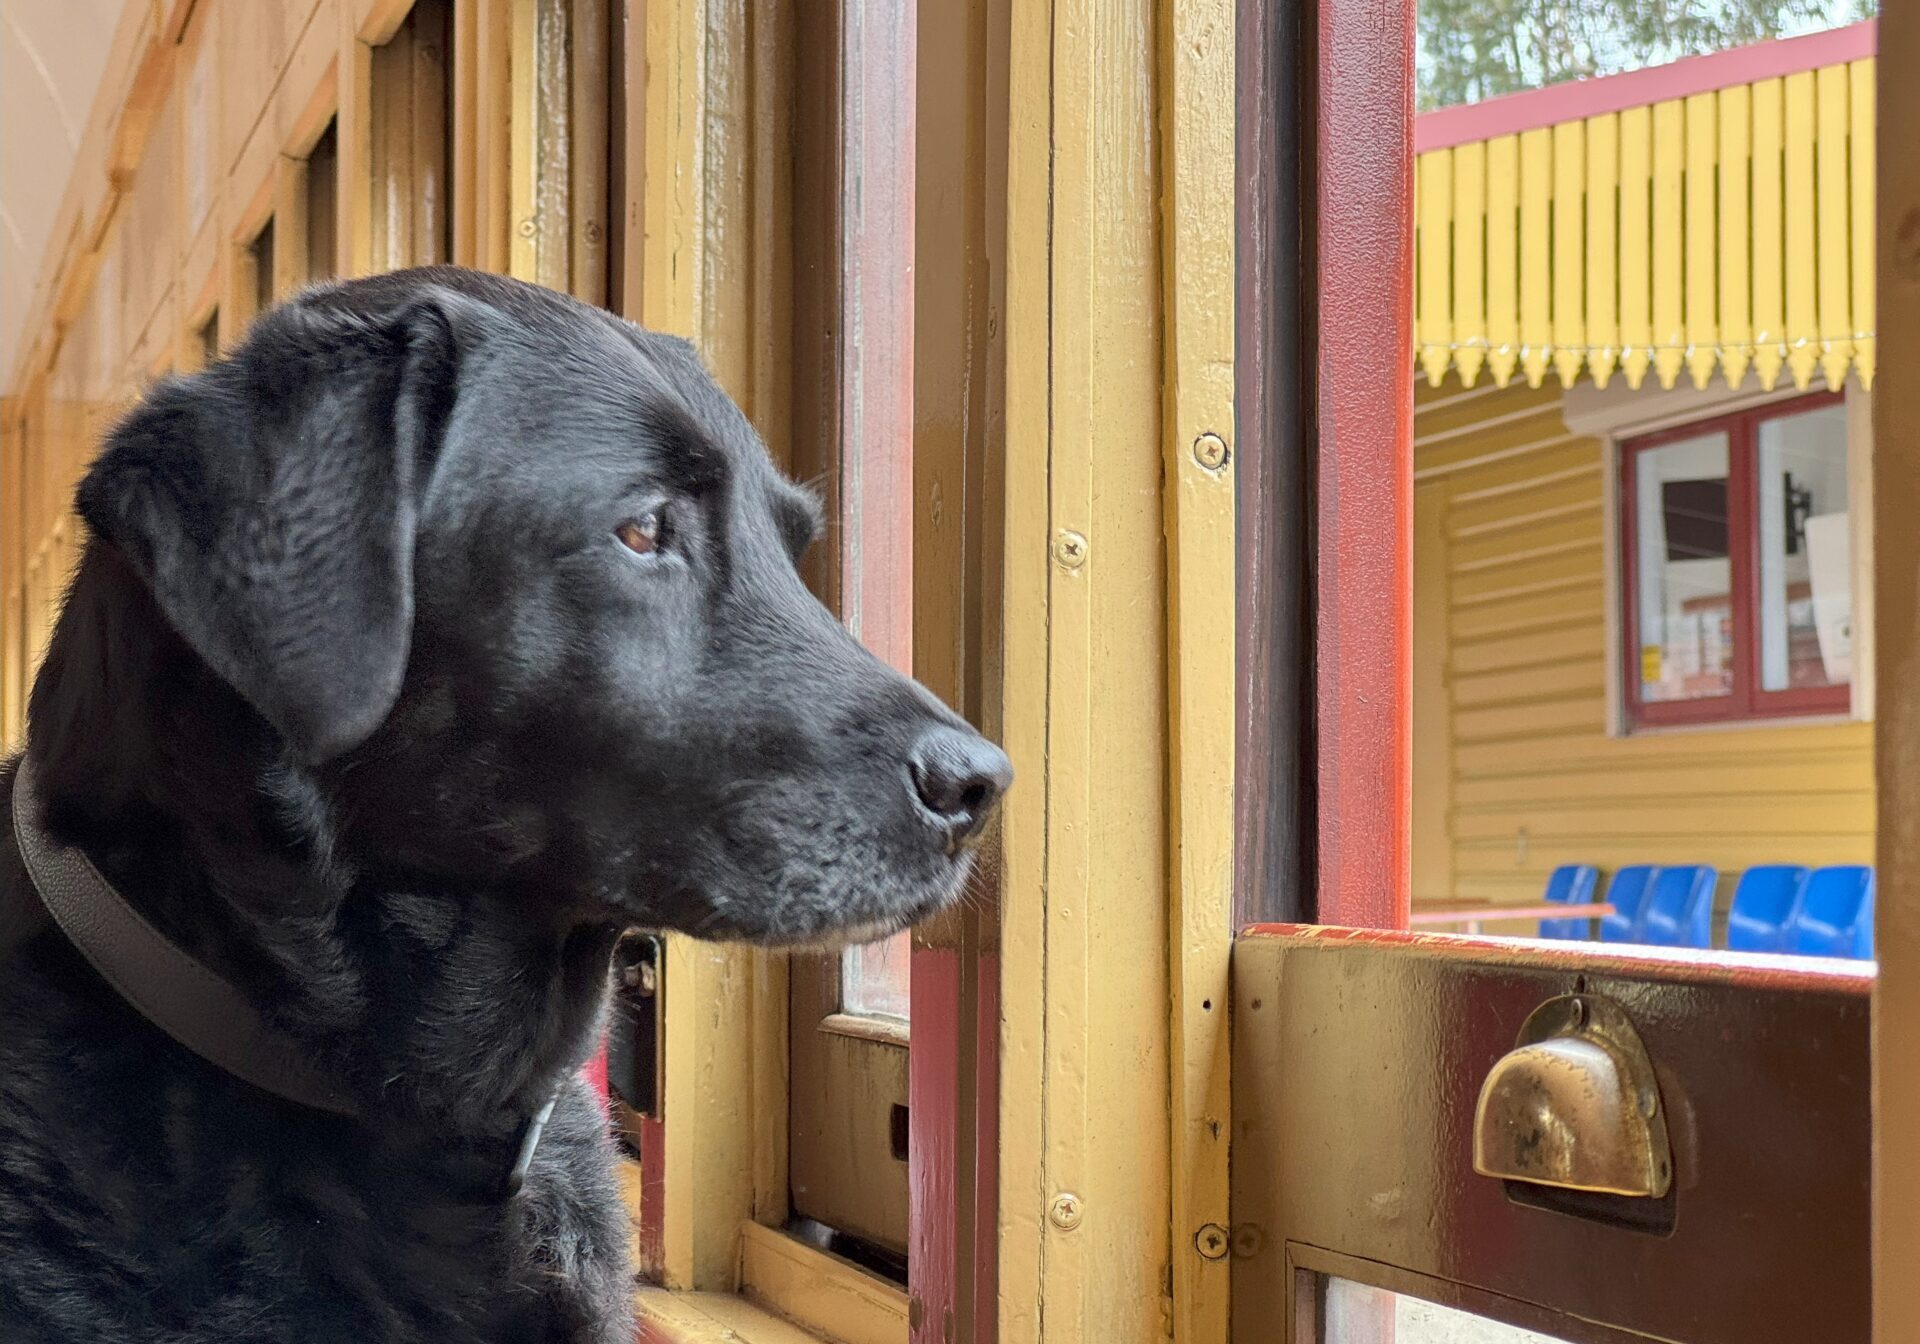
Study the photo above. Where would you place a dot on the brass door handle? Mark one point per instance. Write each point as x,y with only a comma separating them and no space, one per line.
1575,1105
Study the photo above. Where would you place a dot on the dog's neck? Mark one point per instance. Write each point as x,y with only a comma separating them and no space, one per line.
459,1009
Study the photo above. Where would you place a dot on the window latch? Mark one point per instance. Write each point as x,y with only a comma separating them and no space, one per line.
634,1046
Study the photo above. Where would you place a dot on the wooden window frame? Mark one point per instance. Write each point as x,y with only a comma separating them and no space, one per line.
1746,703
855,76
320,190
409,140
1360,60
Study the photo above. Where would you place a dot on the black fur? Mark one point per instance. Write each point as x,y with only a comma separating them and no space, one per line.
357,696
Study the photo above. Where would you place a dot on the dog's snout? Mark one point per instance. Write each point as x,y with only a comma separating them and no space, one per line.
959,777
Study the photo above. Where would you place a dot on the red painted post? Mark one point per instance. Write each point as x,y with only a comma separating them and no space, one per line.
1363,233
933,1159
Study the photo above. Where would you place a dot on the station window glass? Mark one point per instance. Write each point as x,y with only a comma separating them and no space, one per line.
1738,566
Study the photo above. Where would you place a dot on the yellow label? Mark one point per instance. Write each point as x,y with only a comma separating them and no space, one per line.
1649,662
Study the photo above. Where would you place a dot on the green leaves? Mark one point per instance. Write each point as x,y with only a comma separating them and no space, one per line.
1470,50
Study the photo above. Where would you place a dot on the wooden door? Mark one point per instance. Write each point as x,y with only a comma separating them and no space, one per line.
1360,1060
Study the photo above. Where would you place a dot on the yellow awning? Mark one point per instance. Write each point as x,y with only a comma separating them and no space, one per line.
1725,226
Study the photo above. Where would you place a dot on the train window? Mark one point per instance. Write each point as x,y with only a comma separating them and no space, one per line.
566,151
322,188
1352,1313
1483,575
260,262
207,338
412,148
854,437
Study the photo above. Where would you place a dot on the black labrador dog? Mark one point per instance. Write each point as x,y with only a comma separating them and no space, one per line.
443,631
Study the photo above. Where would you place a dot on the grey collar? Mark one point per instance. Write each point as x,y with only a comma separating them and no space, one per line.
174,990
169,987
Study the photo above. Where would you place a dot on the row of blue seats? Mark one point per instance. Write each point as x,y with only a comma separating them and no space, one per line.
1777,907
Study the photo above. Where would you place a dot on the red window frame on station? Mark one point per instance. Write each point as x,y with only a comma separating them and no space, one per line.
1746,701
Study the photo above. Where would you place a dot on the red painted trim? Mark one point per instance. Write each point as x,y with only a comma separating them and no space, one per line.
1747,703
953,1187
986,1166
651,1253
1363,271
1753,970
933,1116
1576,99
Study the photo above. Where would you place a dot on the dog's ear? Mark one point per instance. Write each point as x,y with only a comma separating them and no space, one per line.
270,505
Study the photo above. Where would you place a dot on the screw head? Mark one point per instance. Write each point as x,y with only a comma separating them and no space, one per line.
1070,549
528,228
1065,1212
1211,1241
1210,451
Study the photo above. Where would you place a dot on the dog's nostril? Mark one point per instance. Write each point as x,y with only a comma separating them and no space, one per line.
959,776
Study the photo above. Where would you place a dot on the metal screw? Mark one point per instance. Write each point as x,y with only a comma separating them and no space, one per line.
1065,1213
1210,451
528,228
1211,1241
1070,549
1577,1011
593,230
1649,1102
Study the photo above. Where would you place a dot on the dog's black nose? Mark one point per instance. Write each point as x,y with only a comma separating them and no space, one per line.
959,776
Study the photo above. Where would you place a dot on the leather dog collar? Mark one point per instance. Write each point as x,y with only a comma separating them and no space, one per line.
174,990
168,986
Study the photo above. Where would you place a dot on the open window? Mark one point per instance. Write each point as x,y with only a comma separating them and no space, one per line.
410,140
322,190
1407,1162
257,259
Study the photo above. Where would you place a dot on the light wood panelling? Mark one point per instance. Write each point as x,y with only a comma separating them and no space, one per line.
410,93
1533,778
212,121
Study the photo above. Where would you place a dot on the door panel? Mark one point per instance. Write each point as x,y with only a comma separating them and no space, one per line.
1358,1060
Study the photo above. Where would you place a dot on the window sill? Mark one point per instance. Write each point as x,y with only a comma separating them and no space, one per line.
792,1294
1761,724
667,1317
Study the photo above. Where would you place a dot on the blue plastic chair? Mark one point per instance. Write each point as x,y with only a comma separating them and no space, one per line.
1679,908
1626,893
1762,905
1570,884
1834,917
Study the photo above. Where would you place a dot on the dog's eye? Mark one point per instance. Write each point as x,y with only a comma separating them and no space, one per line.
641,535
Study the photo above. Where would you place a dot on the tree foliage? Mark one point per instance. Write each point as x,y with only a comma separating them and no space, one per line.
1475,49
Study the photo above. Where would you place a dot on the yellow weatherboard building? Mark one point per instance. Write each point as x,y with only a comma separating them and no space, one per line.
1644,316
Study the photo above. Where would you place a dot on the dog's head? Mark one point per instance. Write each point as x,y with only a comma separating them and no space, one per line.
515,583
